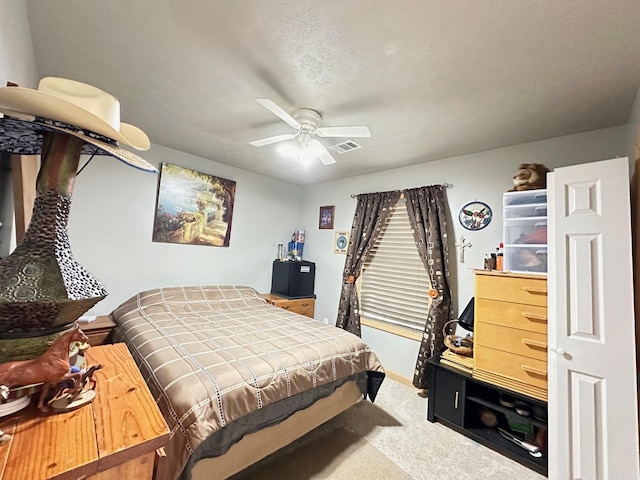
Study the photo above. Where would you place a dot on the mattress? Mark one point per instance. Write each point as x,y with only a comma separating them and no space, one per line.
221,363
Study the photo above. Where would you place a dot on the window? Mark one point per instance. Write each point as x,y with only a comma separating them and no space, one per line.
394,285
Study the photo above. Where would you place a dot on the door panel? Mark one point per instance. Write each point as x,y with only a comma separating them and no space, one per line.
593,418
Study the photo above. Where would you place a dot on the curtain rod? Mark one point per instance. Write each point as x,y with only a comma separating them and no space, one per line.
445,185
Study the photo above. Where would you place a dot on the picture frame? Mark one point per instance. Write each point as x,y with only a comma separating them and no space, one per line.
341,242
193,207
326,217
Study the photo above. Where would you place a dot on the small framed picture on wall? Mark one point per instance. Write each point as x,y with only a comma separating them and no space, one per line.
341,242
326,217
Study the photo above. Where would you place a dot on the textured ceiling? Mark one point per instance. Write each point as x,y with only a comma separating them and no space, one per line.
431,79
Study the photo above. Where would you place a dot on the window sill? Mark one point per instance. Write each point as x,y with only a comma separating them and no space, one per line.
385,327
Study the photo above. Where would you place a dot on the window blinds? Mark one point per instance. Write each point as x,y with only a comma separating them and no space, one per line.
394,285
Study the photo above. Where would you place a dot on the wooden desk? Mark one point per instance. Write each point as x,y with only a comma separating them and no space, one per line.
113,438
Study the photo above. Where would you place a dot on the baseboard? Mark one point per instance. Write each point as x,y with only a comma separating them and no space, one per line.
399,378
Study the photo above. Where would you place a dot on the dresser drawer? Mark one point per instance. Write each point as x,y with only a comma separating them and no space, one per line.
511,340
303,306
529,291
99,338
532,318
516,367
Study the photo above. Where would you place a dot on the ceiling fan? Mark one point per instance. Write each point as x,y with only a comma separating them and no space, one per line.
306,125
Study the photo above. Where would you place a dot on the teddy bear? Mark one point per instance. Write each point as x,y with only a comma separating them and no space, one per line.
530,176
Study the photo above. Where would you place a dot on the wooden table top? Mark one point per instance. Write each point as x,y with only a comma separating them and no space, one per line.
122,423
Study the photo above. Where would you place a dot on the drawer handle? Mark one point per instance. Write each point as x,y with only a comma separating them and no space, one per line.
533,371
304,304
534,343
536,291
533,316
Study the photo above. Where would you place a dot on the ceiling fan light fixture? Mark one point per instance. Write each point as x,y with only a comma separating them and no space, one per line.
304,139
299,153
307,154
288,150
306,123
304,158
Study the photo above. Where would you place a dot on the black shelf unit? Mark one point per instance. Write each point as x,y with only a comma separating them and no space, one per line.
456,399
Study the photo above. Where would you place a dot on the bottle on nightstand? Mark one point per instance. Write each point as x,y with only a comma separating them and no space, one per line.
500,257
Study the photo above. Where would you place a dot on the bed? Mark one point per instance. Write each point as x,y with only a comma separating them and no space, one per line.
237,378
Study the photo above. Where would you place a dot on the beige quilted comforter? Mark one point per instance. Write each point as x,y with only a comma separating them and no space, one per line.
222,362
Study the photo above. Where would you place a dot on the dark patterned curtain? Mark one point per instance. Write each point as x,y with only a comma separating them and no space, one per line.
372,212
427,216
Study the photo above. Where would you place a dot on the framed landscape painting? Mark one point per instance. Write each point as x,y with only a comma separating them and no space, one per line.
193,207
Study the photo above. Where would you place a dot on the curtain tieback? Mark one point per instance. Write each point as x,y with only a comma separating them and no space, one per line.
433,293
351,279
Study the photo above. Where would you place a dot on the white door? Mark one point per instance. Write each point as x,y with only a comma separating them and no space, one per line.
593,417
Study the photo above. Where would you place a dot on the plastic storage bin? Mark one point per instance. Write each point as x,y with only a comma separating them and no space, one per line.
525,259
525,231
525,197
525,211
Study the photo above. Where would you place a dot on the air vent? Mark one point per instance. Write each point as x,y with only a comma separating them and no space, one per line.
345,146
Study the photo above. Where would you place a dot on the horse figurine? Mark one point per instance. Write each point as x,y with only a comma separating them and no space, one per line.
66,398
50,368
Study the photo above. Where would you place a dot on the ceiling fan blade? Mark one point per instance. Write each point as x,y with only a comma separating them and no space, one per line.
275,109
323,154
278,138
355,131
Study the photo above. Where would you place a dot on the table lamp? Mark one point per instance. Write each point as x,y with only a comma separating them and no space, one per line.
465,320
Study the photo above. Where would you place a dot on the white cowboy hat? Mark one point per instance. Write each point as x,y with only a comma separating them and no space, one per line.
71,107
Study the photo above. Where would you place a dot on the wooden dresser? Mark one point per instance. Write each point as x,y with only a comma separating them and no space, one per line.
303,306
510,332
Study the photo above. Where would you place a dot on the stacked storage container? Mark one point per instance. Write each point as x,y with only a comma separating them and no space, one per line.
525,231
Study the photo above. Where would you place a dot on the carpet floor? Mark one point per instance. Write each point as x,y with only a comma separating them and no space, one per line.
390,439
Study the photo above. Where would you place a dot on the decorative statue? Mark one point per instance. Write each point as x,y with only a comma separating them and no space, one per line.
50,368
530,176
70,398
4,394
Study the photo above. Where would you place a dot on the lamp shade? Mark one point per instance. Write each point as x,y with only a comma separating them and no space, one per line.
466,317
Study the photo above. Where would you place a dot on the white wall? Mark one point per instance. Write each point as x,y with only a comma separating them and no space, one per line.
111,223
633,133
481,176
17,64
17,61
